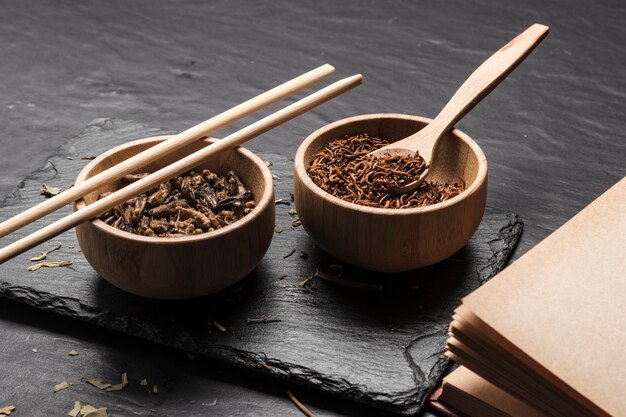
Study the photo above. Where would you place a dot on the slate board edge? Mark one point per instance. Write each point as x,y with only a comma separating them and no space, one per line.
405,402
402,402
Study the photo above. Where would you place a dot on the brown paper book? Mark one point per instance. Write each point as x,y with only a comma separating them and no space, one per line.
551,328
473,396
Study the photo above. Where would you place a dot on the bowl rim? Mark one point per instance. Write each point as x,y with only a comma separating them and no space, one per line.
264,201
300,169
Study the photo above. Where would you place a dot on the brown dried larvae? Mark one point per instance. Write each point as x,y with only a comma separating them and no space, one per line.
344,169
190,204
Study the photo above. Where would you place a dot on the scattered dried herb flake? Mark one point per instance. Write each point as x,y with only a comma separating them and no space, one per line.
86,408
98,384
44,255
300,406
49,191
219,326
307,282
120,386
336,279
74,411
263,320
61,386
49,265
96,412
6,410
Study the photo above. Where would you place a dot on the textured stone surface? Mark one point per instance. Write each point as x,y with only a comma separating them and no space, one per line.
383,348
552,132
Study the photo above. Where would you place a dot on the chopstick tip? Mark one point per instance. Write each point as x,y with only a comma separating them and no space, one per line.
540,28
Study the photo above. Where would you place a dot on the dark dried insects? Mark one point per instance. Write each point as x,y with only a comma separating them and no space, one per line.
190,204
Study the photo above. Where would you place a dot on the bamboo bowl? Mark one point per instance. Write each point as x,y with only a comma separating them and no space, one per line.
181,267
393,240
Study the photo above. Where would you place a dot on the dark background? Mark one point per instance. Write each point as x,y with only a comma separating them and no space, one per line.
552,132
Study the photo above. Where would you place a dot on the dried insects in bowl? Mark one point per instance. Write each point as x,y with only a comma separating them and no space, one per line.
345,169
190,204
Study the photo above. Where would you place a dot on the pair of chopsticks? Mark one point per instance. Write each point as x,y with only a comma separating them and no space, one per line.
177,168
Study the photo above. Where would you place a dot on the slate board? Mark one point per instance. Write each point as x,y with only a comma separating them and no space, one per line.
383,348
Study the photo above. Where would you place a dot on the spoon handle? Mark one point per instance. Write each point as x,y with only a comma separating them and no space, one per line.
487,77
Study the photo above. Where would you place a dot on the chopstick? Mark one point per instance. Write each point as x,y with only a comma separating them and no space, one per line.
175,142
100,206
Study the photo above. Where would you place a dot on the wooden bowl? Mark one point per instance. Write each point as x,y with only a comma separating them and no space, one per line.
393,240
181,267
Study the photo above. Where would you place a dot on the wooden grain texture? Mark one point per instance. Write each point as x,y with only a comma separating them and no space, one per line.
75,65
177,141
383,348
188,266
179,166
391,240
477,86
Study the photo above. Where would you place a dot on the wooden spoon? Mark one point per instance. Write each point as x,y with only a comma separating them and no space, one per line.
475,88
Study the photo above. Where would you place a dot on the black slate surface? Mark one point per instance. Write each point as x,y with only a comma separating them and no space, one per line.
383,348
553,133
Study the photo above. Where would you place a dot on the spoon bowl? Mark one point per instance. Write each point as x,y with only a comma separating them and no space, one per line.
479,84
395,151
